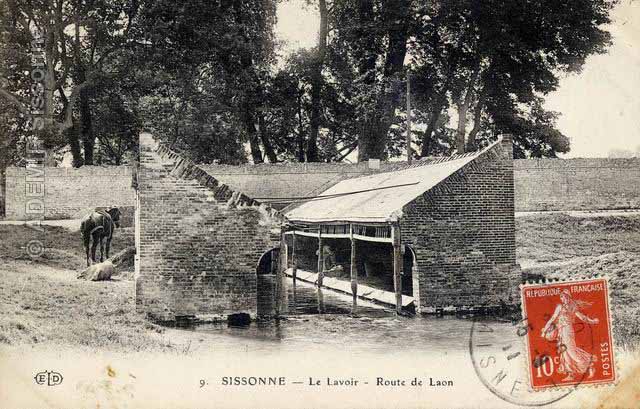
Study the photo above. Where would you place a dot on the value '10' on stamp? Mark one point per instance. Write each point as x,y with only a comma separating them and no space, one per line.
569,338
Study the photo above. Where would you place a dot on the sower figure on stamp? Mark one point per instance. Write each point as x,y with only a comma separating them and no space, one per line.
574,361
99,225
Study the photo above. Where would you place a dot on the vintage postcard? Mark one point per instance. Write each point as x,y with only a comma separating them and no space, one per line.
319,204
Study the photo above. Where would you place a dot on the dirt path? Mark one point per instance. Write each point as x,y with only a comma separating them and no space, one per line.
71,224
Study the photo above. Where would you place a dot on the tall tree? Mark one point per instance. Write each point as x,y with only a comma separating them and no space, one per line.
495,59
317,81
80,38
374,36
233,40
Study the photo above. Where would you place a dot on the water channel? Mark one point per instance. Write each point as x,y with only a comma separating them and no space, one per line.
374,328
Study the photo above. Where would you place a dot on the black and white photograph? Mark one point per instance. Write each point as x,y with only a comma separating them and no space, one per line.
319,204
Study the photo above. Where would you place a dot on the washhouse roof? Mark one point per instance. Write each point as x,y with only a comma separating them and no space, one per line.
379,198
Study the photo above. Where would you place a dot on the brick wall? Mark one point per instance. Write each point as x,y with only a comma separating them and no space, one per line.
463,234
577,184
69,192
199,241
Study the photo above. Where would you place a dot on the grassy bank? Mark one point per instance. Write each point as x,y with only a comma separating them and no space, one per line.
63,247
562,246
43,302
560,237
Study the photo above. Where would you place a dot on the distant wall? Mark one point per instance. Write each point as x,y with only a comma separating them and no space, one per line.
576,184
540,184
69,192
287,179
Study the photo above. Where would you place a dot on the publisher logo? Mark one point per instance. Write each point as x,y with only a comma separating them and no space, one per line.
49,378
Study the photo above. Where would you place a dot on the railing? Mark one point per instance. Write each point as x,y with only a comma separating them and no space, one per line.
360,231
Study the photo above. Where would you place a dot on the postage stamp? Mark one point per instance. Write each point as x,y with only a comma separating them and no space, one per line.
569,338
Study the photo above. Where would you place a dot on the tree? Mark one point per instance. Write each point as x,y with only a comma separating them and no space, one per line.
80,39
317,82
494,60
372,37
229,43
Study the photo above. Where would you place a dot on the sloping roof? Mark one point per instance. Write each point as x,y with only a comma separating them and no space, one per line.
381,196
277,185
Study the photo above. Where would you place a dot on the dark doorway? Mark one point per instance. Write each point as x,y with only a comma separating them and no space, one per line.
408,269
268,263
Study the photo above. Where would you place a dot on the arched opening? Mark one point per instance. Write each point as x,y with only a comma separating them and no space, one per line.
409,268
266,288
268,263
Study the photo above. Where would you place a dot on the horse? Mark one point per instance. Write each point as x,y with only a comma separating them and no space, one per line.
99,225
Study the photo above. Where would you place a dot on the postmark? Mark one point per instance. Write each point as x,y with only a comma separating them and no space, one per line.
497,347
569,341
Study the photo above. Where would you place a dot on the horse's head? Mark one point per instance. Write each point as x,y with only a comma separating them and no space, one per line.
114,212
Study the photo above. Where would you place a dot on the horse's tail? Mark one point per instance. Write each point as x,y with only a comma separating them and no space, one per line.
83,228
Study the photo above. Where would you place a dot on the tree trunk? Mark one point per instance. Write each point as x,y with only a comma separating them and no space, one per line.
249,127
300,138
373,141
477,121
427,140
316,85
74,144
86,127
463,105
462,125
266,142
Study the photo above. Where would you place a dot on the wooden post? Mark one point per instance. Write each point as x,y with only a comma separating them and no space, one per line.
320,258
280,285
397,266
354,272
294,261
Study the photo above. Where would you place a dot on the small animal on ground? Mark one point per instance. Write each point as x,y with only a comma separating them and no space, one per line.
98,272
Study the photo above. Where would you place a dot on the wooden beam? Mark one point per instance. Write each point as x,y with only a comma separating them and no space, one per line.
397,266
281,277
294,260
342,236
320,259
354,272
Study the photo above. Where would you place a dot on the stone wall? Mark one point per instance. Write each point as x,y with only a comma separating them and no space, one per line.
70,192
463,234
199,242
577,184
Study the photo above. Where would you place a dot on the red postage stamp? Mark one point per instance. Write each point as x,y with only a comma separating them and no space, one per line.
569,339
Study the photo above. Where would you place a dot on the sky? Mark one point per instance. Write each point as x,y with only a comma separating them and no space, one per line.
600,108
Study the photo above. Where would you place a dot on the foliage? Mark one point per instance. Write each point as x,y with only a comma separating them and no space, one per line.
205,76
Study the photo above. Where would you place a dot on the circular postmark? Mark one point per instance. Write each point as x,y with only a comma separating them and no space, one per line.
504,364
35,248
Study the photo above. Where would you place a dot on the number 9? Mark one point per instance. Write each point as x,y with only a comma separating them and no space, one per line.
202,383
